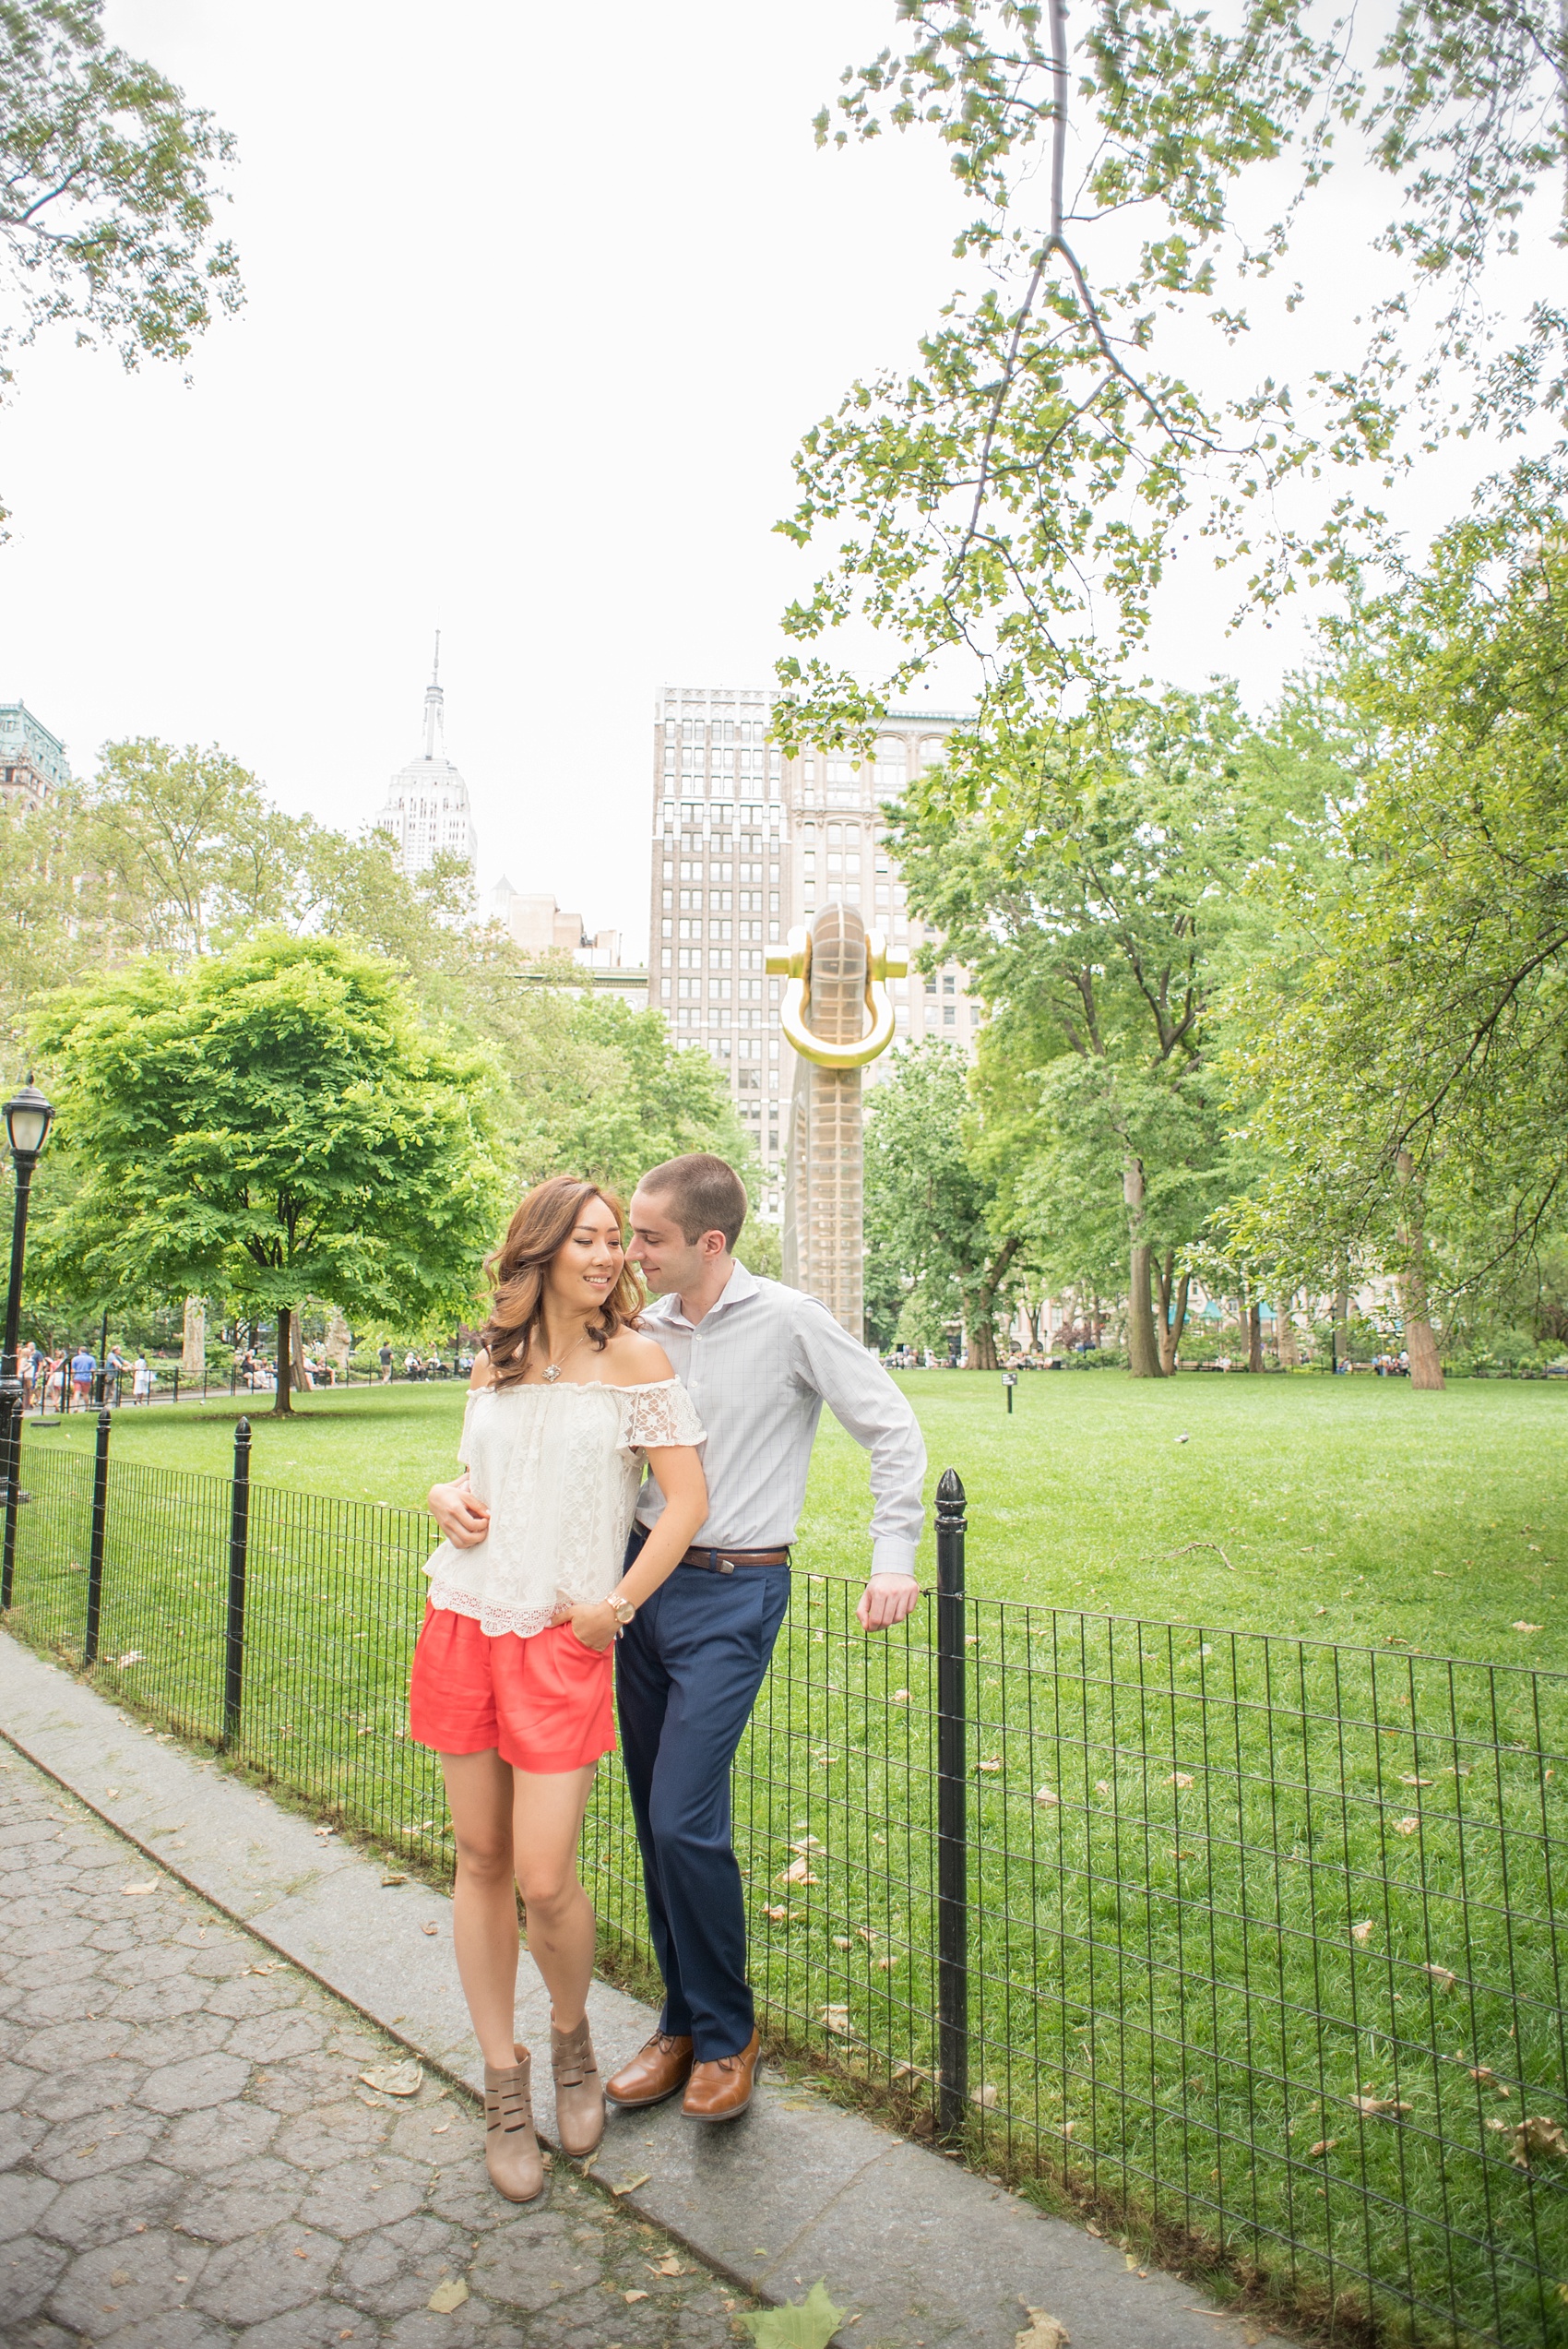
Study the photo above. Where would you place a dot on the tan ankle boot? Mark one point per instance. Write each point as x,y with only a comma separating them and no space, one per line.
511,2149
580,2099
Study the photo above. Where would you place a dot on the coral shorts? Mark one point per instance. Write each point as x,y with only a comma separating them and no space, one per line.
545,1704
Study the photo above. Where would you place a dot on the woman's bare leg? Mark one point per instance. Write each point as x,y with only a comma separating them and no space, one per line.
485,1900
547,1822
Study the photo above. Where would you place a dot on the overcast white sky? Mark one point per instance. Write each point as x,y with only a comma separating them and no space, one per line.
539,302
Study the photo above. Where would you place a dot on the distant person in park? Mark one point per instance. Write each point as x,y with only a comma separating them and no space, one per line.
759,1360
384,1358
84,1364
141,1380
512,1677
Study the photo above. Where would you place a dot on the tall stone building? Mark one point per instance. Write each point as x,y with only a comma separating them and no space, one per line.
32,760
427,809
745,843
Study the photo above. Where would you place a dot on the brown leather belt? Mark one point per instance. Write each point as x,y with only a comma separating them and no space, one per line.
725,1561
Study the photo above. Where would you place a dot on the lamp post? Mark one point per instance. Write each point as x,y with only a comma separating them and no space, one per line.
28,1119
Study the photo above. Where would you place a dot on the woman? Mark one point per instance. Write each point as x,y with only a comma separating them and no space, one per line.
512,1676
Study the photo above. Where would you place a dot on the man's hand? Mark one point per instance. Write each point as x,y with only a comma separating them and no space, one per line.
464,1520
886,1600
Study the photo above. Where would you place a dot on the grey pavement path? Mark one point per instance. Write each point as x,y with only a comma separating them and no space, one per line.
192,2158
920,2251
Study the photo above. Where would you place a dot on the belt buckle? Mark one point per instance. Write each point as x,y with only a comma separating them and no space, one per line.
722,1564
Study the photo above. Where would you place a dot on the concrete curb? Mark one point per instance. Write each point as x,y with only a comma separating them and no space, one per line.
928,2253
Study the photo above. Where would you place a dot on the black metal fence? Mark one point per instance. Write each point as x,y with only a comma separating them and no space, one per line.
1251,1943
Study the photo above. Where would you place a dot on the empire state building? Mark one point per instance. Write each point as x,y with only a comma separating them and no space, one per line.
427,810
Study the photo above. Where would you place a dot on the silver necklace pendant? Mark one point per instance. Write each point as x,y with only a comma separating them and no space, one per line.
551,1372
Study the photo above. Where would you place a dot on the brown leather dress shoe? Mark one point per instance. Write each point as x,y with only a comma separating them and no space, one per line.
721,2091
655,2071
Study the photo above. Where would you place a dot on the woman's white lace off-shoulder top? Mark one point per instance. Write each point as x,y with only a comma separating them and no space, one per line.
558,1468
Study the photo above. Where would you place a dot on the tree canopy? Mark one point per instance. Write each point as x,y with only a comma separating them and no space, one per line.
1085,406
264,1124
108,192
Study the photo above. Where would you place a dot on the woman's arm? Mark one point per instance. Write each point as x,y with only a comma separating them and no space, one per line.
464,1520
677,1472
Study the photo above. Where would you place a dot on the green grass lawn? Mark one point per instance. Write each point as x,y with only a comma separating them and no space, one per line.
1343,1510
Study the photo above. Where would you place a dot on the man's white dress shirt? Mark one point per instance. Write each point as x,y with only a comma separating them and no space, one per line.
759,1365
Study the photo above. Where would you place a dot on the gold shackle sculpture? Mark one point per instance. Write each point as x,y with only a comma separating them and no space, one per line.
797,966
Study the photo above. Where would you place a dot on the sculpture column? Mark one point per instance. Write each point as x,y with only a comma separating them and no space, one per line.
837,1016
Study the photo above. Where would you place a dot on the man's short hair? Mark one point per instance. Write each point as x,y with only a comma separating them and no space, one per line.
704,1194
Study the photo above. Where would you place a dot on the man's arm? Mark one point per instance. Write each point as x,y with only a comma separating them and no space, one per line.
863,1398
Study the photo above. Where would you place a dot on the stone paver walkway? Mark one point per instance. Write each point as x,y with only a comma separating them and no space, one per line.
190,2157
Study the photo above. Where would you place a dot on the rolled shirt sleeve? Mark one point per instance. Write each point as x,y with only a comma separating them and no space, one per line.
865,1402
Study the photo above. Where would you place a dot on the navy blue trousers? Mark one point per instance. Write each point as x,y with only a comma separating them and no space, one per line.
687,1670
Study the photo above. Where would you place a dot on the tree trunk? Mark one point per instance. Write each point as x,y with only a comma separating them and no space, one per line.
193,1353
280,1403
1143,1353
1285,1343
1341,1316
1420,1344
1173,1314
979,1308
1254,1336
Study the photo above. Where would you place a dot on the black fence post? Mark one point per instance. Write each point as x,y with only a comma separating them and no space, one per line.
239,1543
951,1810
99,1520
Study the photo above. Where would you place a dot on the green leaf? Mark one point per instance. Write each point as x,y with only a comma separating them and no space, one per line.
810,2323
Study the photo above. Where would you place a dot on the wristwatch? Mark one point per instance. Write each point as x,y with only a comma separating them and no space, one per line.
624,1610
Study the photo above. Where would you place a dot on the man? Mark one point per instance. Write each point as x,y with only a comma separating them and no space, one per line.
759,1361
84,1362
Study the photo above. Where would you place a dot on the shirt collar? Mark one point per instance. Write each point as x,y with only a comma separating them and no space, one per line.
741,1285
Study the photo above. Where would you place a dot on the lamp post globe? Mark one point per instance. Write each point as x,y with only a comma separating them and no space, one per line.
29,1115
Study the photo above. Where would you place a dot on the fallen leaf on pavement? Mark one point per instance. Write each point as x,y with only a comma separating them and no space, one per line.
135,1891
632,2184
810,2323
1046,2333
395,2080
630,2296
393,1876
448,2296
428,1927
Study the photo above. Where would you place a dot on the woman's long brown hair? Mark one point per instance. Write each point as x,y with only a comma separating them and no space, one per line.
538,1232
